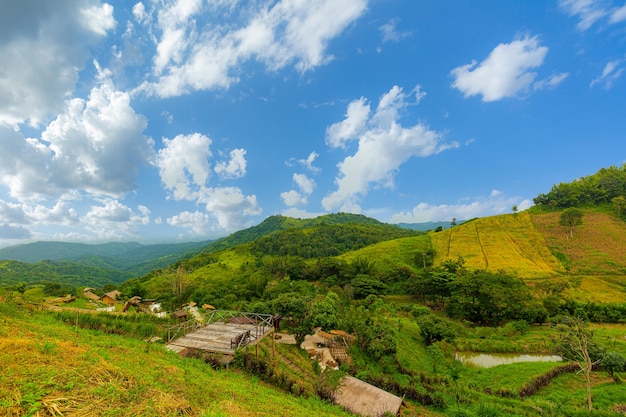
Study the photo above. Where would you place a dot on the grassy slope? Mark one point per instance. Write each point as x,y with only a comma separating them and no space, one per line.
507,242
49,367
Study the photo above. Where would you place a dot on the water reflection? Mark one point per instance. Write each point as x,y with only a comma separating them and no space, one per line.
488,360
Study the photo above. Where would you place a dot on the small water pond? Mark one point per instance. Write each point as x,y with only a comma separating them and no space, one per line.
488,360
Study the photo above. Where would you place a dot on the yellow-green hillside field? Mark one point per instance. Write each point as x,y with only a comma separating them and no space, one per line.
510,243
393,253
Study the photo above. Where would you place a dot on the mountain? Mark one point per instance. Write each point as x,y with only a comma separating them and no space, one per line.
68,274
128,257
277,223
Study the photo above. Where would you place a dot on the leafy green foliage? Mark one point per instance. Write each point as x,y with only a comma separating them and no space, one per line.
598,188
65,273
325,240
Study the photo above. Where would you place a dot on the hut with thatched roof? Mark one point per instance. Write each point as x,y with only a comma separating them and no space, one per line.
364,399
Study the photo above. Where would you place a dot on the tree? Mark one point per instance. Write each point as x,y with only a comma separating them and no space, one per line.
514,208
576,344
364,285
571,217
453,221
619,203
613,362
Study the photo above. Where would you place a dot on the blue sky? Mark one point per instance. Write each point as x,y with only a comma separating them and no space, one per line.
188,120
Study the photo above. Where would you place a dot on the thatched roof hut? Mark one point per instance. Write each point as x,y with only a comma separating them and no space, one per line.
364,399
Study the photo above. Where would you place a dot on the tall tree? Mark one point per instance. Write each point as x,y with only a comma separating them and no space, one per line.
571,217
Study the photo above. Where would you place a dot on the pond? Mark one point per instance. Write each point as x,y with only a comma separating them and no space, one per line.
488,360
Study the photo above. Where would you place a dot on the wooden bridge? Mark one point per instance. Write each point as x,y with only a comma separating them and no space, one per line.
221,332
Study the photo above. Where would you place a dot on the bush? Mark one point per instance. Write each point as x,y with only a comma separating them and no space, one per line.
434,329
420,310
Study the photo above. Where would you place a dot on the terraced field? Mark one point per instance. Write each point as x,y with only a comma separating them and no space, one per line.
509,243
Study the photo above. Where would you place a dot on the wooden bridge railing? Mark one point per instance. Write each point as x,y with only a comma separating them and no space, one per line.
182,329
260,321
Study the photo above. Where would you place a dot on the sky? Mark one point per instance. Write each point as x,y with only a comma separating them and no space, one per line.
180,120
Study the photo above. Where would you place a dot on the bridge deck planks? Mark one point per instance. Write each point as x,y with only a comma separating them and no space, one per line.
216,337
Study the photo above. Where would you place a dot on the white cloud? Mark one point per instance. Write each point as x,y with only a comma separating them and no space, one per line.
94,146
114,219
390,32
98,19
287,32
550,82
197,223
506,72
383,146
351,127
611,73
185,171
139,12
495,203
618,15
231,208
43,46
308,162
305,186
184,164
60,214
588,11
235,167
12,213
293,198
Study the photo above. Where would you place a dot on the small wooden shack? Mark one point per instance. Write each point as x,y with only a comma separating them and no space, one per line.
111,297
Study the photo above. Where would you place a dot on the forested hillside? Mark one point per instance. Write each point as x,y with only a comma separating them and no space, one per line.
67,274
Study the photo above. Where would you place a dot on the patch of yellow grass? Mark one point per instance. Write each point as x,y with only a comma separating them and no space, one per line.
598,290
509,243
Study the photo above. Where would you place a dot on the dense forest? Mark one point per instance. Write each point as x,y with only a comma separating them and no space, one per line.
608,185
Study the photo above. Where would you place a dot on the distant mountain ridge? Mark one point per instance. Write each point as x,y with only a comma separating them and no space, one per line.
130,257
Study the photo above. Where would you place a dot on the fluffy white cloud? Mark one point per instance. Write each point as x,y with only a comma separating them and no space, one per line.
60,214
12,213
114,219
495,203
506,72
185,171
235,167
191,56
305,185
383,146
94,145
230,207
43,46
98,18
197,223
184,164
293,198
611,73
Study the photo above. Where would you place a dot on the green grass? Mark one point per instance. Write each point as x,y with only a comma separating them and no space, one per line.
48,365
